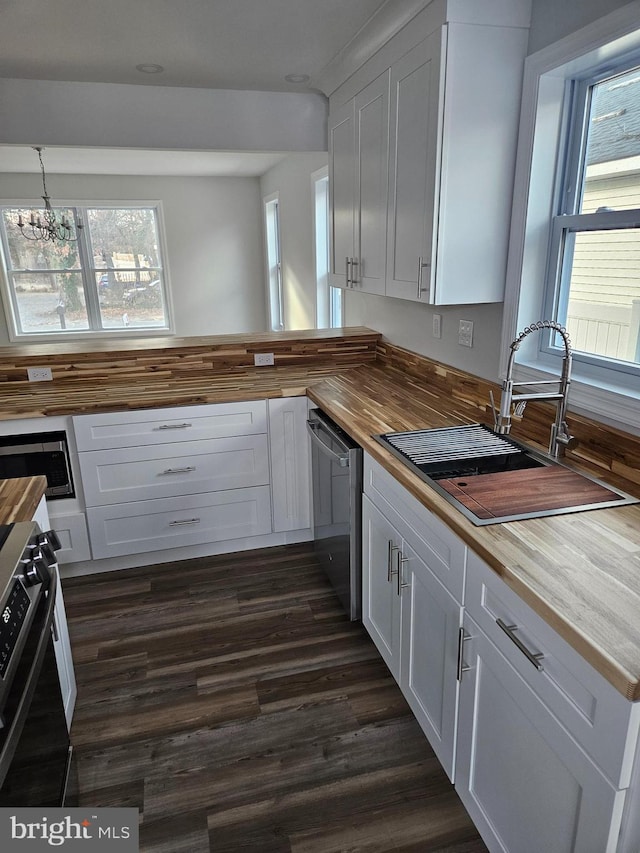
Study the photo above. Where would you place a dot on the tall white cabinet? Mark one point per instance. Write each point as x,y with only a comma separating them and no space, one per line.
422,145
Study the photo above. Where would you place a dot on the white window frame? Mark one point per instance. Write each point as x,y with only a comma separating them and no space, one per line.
7,297
612,395
273,261
329,300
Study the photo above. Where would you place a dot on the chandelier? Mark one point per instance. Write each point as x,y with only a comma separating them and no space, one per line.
46,227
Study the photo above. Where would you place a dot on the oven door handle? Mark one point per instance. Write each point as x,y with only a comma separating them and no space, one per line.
8,751
314,428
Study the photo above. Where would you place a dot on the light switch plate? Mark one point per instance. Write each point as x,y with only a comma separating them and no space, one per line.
465,333
437,325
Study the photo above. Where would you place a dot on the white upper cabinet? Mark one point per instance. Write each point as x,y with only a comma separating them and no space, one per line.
413,161
358,178
448,154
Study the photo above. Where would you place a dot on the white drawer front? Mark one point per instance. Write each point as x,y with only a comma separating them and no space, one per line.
162,426
133,528
190,467
441,549
599,718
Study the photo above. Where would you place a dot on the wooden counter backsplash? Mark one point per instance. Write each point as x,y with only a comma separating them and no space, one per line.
86,363
603,450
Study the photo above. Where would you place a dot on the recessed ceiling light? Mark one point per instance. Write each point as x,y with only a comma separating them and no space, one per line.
149,68
297,78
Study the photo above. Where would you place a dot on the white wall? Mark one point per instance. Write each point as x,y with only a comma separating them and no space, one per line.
46,112
551,20
213,235
291,179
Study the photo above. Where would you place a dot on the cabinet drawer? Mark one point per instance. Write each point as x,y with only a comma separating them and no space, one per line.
134,528
163,426
598,717
441,549
190,467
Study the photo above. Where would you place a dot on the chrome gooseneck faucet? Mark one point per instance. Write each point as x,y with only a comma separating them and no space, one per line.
560,437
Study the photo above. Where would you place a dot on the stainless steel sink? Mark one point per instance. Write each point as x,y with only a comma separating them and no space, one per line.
476,470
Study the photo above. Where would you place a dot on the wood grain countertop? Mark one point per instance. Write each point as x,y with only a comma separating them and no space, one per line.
580,571
19,498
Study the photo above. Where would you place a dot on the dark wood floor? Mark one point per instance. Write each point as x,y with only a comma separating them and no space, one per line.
232,702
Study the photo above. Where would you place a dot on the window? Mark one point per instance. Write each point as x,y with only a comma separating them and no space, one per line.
575,231
274,266
108,281
595,250
329,300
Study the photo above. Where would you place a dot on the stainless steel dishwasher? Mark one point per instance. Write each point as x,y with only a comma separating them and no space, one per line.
336,464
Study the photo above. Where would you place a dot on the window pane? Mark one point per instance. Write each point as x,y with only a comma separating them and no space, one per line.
50,302
123,237
603,309
25,254
135,303
612,178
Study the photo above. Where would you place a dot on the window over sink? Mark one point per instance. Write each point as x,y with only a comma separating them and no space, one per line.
575,236
109,280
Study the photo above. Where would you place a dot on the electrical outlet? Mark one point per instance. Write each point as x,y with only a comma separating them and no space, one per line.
465,333
39,374
437,325
263,359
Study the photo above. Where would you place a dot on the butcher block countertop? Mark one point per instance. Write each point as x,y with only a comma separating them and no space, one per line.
580,571
19,498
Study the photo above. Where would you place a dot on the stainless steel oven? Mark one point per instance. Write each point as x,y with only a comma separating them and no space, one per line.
44,453
35,752
336,463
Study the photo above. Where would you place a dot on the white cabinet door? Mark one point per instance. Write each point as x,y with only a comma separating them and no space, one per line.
431,620
289,445
415,111
526,784
62,643
380,599
372,138
342,193
358,184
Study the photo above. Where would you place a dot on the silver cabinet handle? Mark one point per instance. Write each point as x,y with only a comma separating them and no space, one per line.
533,657
186,470
354,280
421,265
390,549
347,262
462,666
184,521
401,584
174,426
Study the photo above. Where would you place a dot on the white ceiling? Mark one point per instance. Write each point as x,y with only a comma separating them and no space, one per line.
216,44
212,44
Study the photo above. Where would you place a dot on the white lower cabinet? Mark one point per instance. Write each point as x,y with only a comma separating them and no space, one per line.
525,782
543,750
289,450
61,641
414,621
545,746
